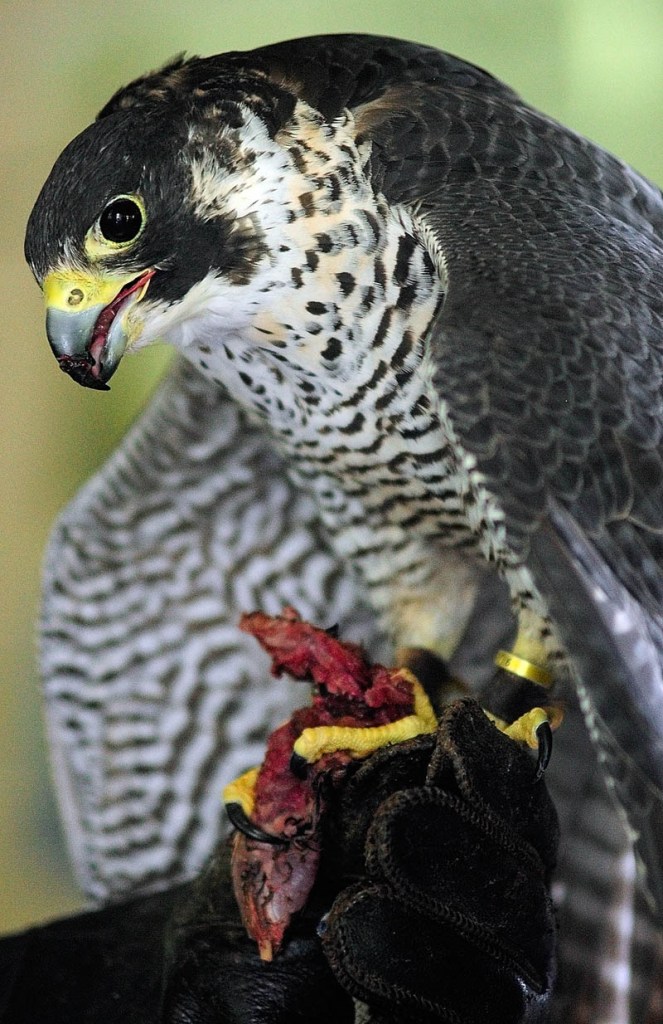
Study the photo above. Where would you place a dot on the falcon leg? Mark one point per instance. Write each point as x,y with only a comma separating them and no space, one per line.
433,673
521,681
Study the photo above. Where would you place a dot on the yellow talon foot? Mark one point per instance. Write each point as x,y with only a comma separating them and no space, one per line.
524,729
535,729
314,743
242,790
239,799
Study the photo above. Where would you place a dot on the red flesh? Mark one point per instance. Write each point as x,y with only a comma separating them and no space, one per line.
273,883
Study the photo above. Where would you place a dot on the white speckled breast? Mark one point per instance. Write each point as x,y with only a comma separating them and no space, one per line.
326,346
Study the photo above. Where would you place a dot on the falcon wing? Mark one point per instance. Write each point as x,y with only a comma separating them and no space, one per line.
549,362
549,347
549,365
549,357
154,698
618,670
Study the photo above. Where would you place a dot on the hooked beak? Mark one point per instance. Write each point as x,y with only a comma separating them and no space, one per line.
86,322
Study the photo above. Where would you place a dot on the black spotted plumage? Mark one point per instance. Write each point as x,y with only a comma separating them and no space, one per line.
510,382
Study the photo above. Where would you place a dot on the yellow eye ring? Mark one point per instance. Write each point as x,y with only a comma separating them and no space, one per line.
119,225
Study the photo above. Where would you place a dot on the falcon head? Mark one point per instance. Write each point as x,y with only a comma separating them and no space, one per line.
151,216
225,207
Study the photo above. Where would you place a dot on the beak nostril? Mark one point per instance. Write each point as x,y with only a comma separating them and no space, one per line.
75,297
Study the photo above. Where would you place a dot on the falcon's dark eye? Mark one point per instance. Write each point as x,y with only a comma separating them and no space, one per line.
121,221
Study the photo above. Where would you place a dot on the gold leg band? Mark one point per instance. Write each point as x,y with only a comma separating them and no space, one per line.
523,668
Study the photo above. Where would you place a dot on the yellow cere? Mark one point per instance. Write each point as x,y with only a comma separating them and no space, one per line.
75,291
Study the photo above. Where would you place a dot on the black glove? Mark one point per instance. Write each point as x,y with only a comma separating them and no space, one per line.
452,919
441,849
105,966
437,856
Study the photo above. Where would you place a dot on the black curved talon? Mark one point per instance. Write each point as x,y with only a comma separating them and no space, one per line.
298,765
240,820
545,737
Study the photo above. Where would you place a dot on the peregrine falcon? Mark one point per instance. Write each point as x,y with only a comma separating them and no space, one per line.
422,331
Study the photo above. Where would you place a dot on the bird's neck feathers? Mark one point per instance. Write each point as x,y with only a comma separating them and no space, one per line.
340,298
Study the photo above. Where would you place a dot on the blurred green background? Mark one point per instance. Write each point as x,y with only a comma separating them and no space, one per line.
595,64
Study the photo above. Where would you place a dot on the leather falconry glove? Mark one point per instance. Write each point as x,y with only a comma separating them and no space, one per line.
431,903
436,860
